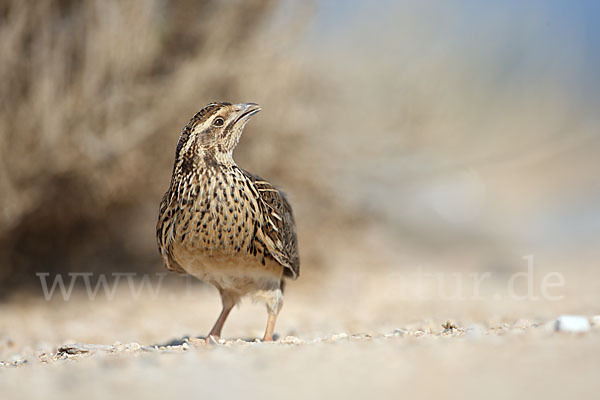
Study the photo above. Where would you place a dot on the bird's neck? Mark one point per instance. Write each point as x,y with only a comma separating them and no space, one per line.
215,157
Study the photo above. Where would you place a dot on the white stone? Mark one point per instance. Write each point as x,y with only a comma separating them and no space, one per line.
14,358
572,323
339,336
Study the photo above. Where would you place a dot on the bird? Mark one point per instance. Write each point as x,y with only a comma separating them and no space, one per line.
222,224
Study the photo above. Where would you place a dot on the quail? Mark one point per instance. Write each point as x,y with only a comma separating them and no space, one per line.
223,224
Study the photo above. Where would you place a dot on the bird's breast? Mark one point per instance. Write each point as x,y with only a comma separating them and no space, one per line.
216,225
218,213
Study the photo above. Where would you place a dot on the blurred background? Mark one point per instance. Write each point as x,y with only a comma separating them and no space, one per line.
454,133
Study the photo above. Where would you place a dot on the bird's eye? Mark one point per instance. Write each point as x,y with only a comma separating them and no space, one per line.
218,121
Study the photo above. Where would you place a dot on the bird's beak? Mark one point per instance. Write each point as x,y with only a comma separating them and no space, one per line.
246,110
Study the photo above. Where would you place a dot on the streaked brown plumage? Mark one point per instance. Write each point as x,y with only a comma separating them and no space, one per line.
223,224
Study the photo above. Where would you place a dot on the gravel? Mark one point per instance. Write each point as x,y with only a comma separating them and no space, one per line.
344,344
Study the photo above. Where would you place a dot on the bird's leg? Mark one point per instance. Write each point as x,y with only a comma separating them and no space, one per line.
270,327
228,301
274,304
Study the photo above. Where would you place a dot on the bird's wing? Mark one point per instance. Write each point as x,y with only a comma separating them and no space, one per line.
165,234
278,230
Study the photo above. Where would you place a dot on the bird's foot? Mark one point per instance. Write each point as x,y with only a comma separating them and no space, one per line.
267,338
212,339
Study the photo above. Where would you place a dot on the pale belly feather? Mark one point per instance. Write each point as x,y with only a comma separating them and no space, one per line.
240,273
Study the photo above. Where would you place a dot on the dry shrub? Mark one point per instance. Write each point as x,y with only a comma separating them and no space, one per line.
94,94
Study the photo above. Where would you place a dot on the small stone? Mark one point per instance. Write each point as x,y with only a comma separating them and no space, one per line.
572,323
291,340
15,359
596,321
185,346
132,346
373,334
339,336
74,348
79,348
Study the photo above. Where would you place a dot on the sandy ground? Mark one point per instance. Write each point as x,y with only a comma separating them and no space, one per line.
340,335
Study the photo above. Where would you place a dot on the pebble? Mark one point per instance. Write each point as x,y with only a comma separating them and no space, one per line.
339,336
16,360
128,347
80,348
291,340
572,323
596,320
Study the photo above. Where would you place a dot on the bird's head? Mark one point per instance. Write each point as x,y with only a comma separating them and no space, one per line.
212,134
